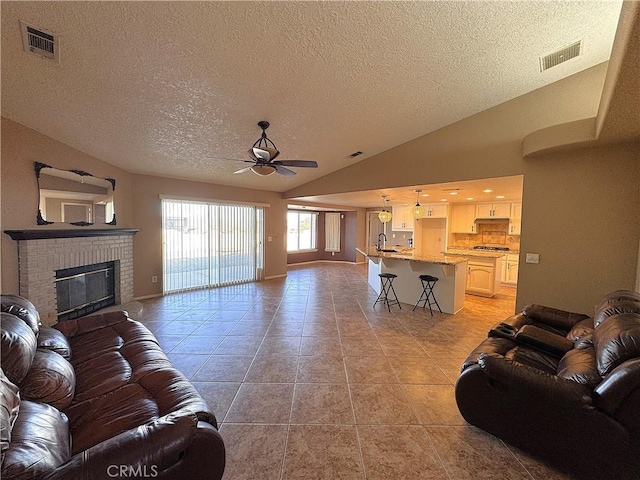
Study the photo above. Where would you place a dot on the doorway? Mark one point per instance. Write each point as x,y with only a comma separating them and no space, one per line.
374,228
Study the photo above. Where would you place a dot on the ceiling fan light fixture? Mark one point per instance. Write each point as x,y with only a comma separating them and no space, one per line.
263,170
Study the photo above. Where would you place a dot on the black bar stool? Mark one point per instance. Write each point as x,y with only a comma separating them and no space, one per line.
386,280
428,282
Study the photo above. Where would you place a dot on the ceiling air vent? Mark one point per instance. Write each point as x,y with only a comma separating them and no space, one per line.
560,56
36,40
356,154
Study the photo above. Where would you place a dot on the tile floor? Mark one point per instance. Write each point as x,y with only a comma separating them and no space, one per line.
308,381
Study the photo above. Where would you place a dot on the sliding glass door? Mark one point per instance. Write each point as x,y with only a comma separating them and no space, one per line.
210,244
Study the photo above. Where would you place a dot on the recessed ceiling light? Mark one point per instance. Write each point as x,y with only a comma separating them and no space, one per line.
453,193
443,199
469,198
500,196
488,190
425,194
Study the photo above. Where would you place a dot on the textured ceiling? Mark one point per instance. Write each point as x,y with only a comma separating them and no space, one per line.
164,88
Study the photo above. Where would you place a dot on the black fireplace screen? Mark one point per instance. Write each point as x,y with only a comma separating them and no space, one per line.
83,290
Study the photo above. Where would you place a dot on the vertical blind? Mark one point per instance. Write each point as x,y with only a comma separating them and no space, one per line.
331,232
210,244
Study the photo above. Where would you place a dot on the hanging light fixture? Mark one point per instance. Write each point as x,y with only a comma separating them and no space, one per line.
384,215
417,211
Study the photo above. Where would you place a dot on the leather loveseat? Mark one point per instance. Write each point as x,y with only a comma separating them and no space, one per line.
563,386
96,398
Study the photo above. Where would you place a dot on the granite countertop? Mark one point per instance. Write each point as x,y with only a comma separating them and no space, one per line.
476,253
444,259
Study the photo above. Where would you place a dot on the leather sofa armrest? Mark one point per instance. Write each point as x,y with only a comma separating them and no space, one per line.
148,449
623,381
530,382
72,328
543,340
553,317
489,345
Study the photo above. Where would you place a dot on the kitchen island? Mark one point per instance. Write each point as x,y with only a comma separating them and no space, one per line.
450,270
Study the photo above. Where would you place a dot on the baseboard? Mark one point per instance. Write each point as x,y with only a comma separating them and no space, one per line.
321,261
145,297
271,277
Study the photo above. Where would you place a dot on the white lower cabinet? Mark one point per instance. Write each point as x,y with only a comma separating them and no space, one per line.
481,277
510,269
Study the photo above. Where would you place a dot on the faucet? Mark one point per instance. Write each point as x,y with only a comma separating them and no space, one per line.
378,244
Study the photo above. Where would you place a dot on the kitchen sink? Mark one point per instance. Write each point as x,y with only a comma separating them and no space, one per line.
388,250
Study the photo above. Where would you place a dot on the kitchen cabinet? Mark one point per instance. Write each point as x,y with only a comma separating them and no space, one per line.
510,264
436,210
481,277
463,218
402,219
515,218
493,210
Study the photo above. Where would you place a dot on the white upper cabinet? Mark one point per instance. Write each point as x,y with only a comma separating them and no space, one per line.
515,218
402,219
463,218
493,210
435,210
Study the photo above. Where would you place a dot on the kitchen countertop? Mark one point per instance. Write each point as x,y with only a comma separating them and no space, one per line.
444,259
477,253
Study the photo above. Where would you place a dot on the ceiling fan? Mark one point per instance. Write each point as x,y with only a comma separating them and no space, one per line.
263,155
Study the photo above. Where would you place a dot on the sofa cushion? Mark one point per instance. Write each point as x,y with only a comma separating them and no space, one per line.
21,308
580,329
579,365
51,379
616,340
620,301
106,416
39,442
533,358
9,405
18,347
52,339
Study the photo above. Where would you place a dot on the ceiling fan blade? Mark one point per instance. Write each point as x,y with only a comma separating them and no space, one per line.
297,163
242,170
283,171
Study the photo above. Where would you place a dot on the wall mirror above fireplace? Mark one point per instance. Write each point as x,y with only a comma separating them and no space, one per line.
74,196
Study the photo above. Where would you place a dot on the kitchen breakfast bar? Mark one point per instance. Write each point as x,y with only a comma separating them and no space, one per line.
450,270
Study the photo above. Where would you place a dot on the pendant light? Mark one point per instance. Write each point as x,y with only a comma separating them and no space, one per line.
417,211
384,215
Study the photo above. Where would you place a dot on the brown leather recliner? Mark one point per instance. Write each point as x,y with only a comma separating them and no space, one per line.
563,386
97,398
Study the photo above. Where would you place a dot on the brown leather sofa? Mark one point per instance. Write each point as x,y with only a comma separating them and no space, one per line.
96,398
563,386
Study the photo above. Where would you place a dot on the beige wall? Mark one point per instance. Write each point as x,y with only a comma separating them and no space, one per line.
581,213
21,147
147,216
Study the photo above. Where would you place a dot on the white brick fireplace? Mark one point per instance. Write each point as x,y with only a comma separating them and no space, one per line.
42,252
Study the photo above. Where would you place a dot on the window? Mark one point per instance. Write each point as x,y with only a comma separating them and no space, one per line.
301,231
209,244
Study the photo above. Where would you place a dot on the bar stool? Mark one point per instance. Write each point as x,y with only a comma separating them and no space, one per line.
428,282
386,280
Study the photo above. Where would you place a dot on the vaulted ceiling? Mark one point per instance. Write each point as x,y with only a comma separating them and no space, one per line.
176,88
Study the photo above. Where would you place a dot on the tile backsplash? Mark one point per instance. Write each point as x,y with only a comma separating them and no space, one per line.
493,234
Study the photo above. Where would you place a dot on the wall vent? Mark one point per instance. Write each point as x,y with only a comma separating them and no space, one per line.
356,154
560,56
39,42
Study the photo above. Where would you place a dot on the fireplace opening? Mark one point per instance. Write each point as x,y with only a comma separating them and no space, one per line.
83,290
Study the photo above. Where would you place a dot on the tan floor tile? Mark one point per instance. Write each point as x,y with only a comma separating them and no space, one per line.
218,396
224,368
187,363
262,403
321,369
273,369
322,452
280,346
198,344
321,346
360,347
399,452
470,453
320,329
369,370
249,456
327,403
246,345
435,404
283,329
418,370
382,404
